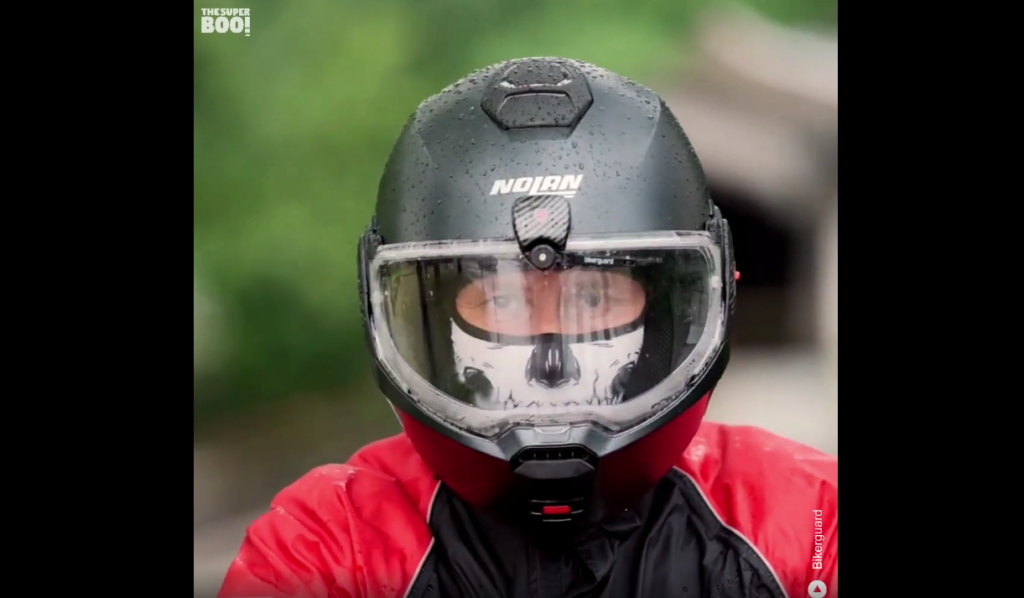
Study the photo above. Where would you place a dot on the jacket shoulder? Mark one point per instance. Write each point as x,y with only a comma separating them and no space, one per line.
348,531
780,496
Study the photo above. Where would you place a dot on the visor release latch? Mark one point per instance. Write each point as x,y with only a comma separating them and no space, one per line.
541,224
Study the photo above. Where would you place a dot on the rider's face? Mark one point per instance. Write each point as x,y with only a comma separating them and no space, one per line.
530,303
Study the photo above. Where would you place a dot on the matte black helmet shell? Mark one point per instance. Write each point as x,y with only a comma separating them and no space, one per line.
540,117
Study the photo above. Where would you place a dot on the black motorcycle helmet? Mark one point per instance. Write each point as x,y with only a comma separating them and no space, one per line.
546,288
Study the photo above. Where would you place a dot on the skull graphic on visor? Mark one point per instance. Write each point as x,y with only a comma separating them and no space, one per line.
547,339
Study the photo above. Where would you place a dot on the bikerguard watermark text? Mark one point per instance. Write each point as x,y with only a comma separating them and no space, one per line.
819,541
223,20
817,588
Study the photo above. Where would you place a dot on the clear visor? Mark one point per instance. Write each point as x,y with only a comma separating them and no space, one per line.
613,335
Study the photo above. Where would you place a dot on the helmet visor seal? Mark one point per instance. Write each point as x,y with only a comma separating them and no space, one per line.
612,336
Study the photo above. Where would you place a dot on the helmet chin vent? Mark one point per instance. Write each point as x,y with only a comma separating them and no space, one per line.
557,481
555,464
554,454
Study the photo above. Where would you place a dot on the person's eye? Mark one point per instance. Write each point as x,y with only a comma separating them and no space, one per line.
501,301
591,299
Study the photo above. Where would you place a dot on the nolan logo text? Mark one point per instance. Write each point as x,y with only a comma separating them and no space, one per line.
565,185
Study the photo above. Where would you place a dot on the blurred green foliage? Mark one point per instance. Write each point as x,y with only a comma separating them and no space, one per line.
292,127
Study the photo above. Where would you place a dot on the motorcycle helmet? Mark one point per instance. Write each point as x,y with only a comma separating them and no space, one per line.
547,288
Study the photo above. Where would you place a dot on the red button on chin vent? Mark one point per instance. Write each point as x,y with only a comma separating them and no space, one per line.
556,510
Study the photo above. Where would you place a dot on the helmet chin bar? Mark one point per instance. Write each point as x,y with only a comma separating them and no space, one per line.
556,484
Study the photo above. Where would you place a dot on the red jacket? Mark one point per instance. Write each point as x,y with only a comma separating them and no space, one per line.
744,513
